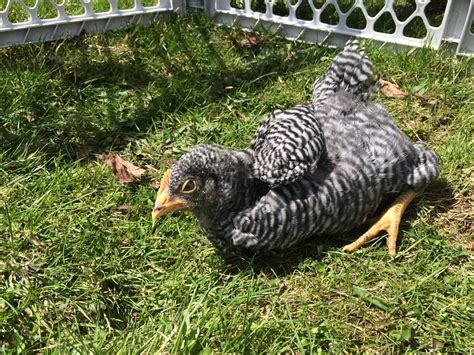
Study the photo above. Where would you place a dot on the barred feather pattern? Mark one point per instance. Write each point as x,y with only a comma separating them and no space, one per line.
347,188
358,157
350,71
287,146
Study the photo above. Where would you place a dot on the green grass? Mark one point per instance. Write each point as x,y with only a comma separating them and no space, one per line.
385,24
79,272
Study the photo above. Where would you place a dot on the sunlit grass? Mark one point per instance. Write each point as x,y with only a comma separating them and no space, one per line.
81,269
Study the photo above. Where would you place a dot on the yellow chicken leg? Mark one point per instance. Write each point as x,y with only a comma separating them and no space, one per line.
389,222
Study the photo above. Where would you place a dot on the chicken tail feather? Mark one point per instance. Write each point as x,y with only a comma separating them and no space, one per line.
350,71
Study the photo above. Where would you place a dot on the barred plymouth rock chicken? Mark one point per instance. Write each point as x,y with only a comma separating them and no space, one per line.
319,168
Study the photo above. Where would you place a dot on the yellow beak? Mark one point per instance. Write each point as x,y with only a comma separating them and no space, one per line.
164,204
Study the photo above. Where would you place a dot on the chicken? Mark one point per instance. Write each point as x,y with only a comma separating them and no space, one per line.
318,168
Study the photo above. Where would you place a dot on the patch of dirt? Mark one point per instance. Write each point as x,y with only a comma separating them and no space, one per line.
458,219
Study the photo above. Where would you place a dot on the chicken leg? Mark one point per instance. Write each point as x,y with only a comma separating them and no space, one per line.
389,221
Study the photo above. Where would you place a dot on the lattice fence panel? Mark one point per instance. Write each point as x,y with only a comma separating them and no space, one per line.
334,21
322,21
23,21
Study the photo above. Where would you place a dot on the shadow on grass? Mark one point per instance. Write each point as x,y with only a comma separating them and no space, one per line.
439,195
179,59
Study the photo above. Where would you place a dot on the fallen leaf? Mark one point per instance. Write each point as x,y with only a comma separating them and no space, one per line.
125,171
250,41
243,117
470,245
28,117
124,241
391,90
123,208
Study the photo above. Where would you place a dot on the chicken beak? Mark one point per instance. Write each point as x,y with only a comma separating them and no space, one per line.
164,203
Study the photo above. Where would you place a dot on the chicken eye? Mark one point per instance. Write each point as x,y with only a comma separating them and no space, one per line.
188,186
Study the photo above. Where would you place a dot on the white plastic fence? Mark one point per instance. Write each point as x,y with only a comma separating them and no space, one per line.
455,27
20,23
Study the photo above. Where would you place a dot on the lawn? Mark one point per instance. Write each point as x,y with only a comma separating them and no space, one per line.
81,268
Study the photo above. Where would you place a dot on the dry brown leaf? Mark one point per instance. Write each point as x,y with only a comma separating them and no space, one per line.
125,171
243,117
470,245
124,241
391,90
28,117
123,208
250,41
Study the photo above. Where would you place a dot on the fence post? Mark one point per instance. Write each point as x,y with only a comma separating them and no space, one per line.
457,28
466,42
